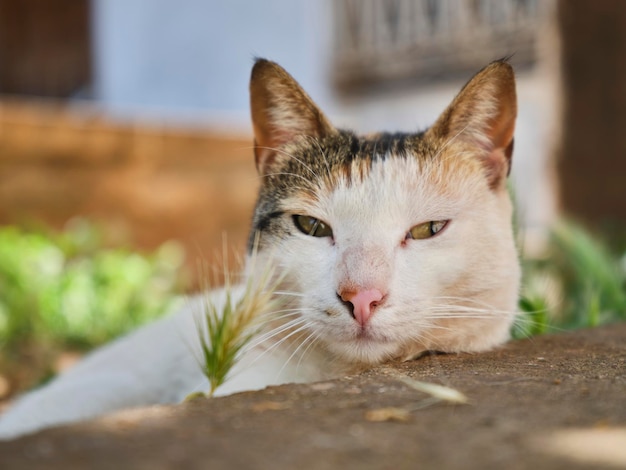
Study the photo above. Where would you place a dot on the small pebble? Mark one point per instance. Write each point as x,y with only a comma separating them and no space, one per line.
388,414
322,386
270,406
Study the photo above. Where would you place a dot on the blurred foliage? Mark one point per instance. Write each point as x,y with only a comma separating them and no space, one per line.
66,290
579,283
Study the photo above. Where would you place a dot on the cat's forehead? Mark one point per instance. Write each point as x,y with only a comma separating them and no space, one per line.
389,189
386,189
319,166
345,147
309,164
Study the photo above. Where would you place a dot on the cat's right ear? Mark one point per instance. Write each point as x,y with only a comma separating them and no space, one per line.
282,112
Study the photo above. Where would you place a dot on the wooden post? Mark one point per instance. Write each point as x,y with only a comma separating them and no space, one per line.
592,161
45,47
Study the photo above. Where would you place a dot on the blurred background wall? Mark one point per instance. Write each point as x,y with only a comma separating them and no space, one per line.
135,113
592,153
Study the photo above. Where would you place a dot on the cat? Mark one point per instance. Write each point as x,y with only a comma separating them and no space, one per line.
388,246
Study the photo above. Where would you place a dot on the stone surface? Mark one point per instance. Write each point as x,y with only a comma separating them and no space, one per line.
543,403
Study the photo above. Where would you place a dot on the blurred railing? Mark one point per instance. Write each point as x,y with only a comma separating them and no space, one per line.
379,40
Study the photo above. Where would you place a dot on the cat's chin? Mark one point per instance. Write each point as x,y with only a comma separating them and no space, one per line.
365,350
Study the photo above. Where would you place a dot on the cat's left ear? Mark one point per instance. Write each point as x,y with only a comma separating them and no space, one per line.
483,115
281,113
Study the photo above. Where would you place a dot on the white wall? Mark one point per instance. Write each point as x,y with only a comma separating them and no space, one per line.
194,56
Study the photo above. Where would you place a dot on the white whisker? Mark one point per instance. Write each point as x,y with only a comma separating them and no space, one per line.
316,142
302,343
274,332
283,173
314,337
449,141
283,152
293,294
274,346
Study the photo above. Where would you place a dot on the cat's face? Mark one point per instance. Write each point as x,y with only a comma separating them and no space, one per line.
390,244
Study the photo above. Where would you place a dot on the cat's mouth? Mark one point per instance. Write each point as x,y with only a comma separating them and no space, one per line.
368,335
366,346
364,334
355,335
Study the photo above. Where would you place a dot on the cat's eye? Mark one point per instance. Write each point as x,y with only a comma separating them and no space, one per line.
312,226
426,230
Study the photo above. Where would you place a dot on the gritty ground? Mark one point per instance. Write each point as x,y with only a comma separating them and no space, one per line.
544,403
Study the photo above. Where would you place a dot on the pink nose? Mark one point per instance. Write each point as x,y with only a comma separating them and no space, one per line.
363,303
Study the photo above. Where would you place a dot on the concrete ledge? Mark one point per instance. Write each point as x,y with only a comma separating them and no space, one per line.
543,403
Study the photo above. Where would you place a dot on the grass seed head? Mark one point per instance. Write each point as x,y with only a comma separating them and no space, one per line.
225,331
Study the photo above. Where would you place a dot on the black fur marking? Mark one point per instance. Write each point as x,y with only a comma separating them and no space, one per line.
355,148
387,143
263,222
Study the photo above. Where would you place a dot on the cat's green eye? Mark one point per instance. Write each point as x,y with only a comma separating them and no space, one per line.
312,226
426,230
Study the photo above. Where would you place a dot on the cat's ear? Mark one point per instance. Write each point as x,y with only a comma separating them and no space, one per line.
281,113
483,115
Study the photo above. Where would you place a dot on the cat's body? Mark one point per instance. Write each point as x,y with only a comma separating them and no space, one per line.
387,246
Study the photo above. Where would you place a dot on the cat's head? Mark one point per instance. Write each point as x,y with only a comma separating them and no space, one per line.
390,244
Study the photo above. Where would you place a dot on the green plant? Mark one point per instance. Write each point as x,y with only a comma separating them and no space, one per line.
67,290
578,283
224,330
